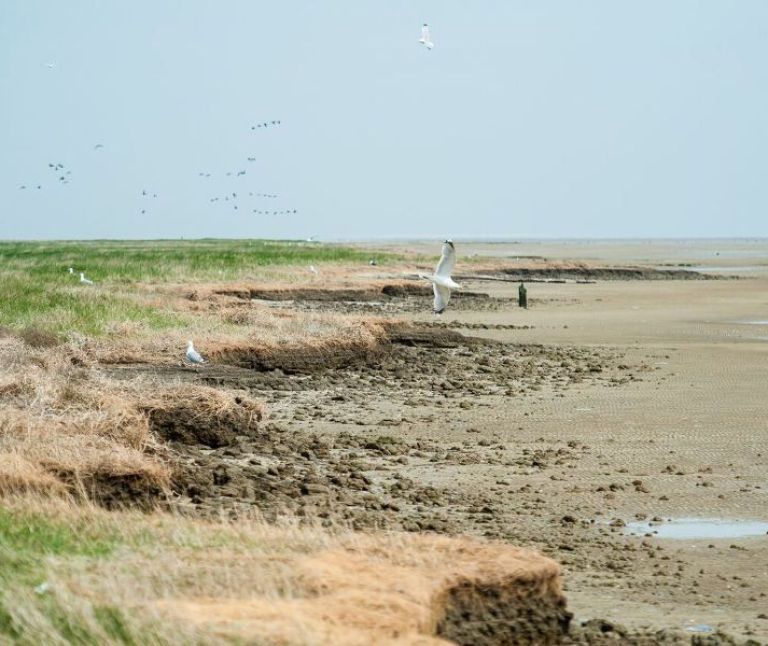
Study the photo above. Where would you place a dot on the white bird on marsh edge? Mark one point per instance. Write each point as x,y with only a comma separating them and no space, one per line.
425,39
71,270
313,270
193,355
84,280
441,280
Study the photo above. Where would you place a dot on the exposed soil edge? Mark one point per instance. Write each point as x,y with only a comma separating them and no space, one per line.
309,359
605,273
496,614
317,294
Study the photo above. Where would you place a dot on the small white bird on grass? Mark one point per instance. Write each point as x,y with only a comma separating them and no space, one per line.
425,39
84,280
193,355
71,270
441,280
313,270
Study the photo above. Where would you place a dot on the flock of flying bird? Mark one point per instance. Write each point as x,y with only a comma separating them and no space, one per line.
64,176
57,169
425,40
441,280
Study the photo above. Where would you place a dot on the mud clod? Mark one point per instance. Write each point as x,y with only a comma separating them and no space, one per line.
495,615
199,415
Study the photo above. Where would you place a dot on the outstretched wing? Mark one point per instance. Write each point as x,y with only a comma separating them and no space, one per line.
442,296
447,261
424,34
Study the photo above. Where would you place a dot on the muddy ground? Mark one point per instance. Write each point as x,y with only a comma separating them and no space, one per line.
550,428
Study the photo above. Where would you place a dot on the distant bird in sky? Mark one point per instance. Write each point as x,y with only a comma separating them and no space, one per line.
193,355
50,66
441,280
425,39
240,172
266,124
251,159
98,146
23,186
84,280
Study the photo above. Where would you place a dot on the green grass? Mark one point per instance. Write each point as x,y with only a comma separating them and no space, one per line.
130,261
26,538
37,291
58,309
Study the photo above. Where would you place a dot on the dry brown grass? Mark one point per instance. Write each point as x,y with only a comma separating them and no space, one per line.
63,427
376,589
220,581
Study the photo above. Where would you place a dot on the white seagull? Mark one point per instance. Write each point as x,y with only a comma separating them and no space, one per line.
425,40
71,270
441,280
84,280
313,270
193,355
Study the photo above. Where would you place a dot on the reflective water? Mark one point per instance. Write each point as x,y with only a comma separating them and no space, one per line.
687,528
700,628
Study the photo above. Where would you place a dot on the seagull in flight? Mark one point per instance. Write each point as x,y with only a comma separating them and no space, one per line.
97,146
193,355
425,39
441,280
50,66
84,280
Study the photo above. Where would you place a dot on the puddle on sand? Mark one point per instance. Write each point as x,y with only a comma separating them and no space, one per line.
691,528
700,628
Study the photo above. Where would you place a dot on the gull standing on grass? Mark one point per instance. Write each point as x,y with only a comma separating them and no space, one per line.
441,280
193,355
84,280
313,270
425,39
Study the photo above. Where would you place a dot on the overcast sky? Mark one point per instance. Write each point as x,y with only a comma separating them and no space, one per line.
529,118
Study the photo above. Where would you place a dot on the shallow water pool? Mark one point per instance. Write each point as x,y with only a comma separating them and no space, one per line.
689,528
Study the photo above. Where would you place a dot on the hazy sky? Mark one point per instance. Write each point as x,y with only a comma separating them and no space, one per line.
535,118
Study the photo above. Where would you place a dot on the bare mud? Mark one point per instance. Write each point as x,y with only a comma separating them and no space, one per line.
389,299
587,273
552,431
